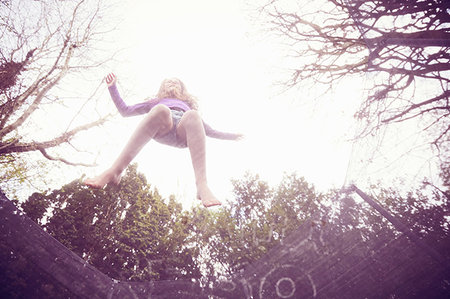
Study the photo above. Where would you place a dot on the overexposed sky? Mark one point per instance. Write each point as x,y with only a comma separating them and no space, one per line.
215,49
224,60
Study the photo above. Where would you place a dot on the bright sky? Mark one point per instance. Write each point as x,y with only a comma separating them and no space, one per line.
213,47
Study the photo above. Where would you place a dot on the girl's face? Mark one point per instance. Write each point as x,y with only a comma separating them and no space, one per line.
172,87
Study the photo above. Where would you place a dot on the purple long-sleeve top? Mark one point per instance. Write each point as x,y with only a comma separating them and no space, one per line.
145,107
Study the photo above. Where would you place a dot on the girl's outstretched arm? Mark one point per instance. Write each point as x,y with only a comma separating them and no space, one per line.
221,135
124,109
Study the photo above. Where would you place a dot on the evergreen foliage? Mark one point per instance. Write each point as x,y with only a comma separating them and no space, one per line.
128,233
131,234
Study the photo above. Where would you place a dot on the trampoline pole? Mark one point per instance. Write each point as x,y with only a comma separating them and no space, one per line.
400,226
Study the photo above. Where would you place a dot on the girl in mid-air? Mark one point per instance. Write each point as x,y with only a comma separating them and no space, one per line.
171,118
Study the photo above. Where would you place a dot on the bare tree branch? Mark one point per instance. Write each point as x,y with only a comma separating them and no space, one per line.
405,44
412,107
49,157
17,147
43,42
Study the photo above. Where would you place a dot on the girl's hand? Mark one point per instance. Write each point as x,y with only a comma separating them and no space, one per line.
239,136
111,79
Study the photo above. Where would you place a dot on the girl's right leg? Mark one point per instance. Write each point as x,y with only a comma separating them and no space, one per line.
191,130
157,123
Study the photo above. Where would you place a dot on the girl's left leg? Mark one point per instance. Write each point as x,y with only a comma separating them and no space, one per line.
190,128
156,123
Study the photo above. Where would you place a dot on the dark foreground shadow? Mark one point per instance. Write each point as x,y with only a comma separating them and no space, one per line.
313,262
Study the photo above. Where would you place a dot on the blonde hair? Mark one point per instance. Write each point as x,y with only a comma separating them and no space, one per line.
178,94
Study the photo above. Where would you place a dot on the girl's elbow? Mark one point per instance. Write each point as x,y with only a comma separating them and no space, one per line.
124,113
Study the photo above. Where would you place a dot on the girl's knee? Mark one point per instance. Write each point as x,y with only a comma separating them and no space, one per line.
192,116
160,115
160,110
191,121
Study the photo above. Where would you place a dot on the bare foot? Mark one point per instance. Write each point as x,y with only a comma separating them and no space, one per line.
102,180
207,197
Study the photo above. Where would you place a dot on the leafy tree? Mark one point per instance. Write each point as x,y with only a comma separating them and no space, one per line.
423,228
294,202
404,44
44,45
424,211
260,217
132,234
245,224
257,219
128,233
